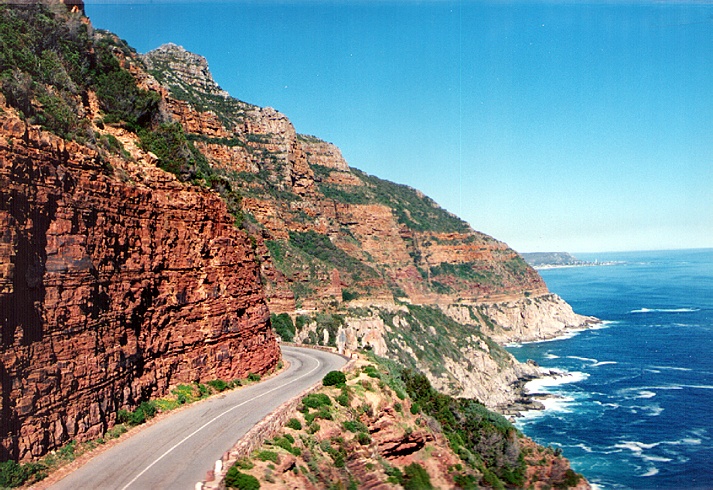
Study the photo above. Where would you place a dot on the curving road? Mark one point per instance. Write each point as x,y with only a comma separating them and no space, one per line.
177,451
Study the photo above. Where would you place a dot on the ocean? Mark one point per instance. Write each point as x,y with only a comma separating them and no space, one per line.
634,404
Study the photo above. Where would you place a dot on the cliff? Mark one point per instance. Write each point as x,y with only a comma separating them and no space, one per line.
385,427
359,262
150,220
117,280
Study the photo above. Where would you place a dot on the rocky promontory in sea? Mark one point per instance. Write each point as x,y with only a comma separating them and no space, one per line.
552,260
154,229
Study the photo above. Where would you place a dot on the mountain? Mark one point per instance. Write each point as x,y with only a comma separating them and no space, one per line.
552,259
354,261
155,228
117,281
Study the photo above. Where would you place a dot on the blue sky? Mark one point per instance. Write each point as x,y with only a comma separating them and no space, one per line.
548,125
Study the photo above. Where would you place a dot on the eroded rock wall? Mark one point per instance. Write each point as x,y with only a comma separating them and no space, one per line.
116,282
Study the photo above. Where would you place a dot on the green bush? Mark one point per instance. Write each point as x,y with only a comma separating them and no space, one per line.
371,371
253,378
116,431
234,478
175,153
268,456
13,474
143,412
244,464
471,430
218,385
343,399
571,479
316,400
363,438
334,378
295,424
355,426
283,326
416,478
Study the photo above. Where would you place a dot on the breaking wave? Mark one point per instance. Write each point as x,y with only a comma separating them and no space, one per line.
665,310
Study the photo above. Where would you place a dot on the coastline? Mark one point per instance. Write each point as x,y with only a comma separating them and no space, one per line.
532,397
571,266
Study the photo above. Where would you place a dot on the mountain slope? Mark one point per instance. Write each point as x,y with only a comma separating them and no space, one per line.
150,220
359,262
117,280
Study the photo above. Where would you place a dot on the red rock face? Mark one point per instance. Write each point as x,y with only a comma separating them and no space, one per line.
116,282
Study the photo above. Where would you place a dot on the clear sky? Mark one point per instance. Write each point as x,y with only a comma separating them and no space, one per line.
553,126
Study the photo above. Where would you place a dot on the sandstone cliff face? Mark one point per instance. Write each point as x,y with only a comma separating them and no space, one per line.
297,183
523,320
116,282
382,429
387,245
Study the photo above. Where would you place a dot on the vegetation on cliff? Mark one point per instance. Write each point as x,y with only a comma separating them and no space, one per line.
104,255
329,240
385,424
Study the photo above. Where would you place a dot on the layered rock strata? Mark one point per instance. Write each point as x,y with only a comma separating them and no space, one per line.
334,239
116,282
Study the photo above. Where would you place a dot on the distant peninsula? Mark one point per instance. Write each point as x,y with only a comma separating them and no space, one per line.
550,260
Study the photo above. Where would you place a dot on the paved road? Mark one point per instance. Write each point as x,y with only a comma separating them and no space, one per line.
177,451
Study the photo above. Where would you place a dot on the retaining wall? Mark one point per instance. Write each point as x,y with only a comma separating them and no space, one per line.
267,428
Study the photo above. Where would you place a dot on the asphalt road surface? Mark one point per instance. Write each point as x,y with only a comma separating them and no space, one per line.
177,451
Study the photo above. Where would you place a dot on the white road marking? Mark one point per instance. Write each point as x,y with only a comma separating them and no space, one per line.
319,363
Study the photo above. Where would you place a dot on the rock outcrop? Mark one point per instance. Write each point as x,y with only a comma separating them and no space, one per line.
384,434
336,240
117,282
118,279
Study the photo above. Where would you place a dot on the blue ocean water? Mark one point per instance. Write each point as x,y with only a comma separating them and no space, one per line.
636,409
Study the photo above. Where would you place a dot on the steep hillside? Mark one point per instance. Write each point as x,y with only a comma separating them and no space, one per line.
334,232
117,280
384,427
359,262
150,220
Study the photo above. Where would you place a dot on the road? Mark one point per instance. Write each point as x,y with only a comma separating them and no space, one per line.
177,451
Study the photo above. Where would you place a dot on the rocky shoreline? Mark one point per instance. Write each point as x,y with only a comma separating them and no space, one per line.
529,401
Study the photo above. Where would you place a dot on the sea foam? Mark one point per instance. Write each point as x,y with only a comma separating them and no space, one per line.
665,310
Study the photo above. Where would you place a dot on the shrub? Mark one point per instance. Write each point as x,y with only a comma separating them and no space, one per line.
268,456
354,426
13,474
283,326
218,385
371,371
252,377
363,438
343,399
334,378
116,431
295,424
571,479
143,412
175,153
234,478
316,400
416,478
244,464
